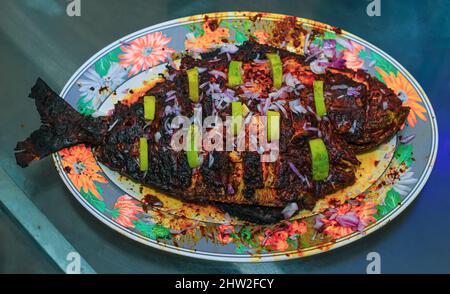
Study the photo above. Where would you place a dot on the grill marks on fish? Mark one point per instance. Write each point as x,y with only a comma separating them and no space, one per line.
362,113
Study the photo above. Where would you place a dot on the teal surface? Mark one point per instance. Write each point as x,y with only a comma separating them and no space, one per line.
37,38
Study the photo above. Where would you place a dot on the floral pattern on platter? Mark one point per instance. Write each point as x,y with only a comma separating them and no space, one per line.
126,209
112,70
407,94
296,237
82,169
145,52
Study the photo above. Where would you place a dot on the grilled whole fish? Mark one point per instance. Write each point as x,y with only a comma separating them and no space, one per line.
362,113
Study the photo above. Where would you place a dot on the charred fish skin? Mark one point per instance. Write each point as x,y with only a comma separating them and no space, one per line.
362,113
380,116
62,127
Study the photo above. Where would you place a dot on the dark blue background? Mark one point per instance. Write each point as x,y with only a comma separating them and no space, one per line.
37,38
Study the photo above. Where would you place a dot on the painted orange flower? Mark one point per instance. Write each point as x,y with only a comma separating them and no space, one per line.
224,233
277,241
366,211
209,38
127,208
261,36
345,219
82,169
400,85
145,52
296,227
352,60
336,231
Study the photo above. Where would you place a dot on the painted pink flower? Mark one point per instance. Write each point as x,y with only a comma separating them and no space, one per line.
127,209
145,52
224,233
297,227
345,219
352,60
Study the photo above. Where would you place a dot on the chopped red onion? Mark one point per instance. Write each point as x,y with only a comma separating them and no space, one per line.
316,67
319,224
214,60
171,77
278,105
230,189
157,136
296,107
170,93
171,98
314,54
113,125
217,73
351,91
353,128
260,61
210,160
339,87
407,139
229,48
312,129
295,170
289,210
203,85
345,43
350,219
305,46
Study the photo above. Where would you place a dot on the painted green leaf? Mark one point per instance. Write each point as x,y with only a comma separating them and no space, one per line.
291,242
152,231
383,64
318,41
339,47
382,211
94,201
161,232
304,243
189,28
392,199
245,233
329,35
241,37
404,154
362,54
240,248
247,24
115,212
195,28
114,55
85,107
103,65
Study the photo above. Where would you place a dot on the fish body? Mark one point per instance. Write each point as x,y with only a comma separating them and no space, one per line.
361,113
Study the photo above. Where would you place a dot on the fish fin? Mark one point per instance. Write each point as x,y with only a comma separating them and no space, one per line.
62,126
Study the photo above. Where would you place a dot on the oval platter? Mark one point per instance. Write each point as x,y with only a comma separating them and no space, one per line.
388,180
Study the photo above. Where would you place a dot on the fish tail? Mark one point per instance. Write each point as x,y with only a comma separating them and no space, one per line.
61,127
